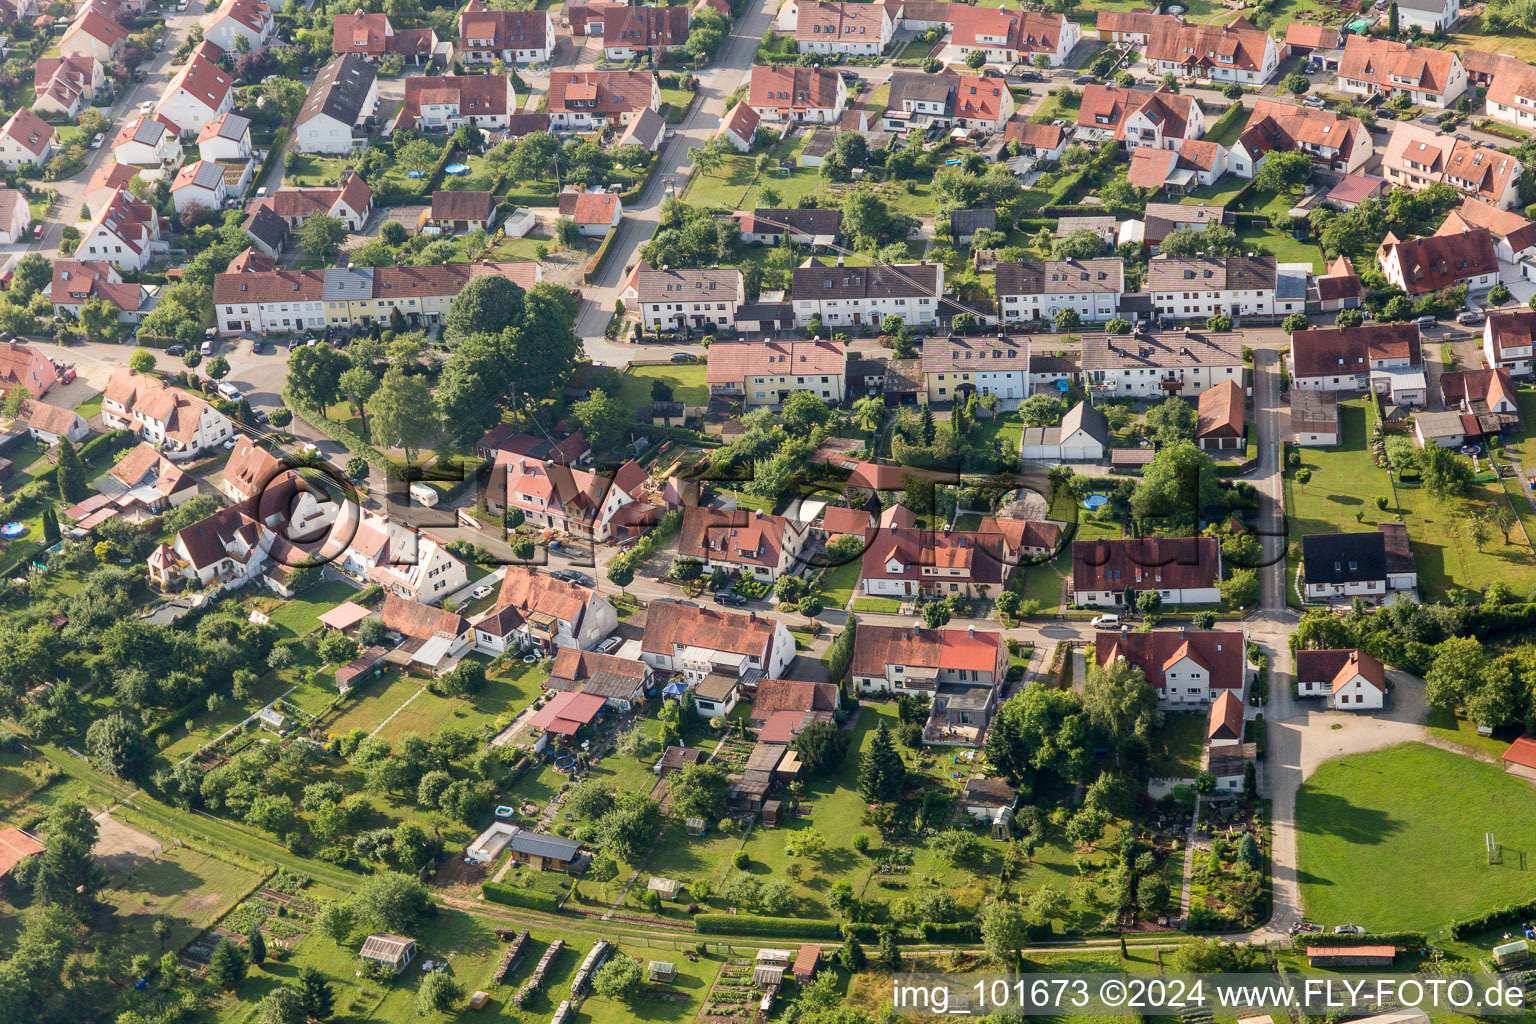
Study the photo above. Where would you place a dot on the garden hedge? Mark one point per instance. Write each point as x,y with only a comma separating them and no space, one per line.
1407,939
787,927
1493,919
512,896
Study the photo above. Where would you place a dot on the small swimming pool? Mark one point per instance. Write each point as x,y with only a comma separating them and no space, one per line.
13,529
503,811
1094,501
456,169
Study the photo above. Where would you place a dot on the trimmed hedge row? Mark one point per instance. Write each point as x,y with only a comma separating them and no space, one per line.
964,931
1376,939
596,262
1493,919
512,896
742,924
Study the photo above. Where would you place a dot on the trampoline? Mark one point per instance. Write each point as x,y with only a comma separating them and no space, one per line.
13,530
564,763
1095,501
1471,449
504,811
456,169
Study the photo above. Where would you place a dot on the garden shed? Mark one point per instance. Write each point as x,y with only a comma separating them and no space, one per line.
392,951
661,970
771,811
1512,954
667,887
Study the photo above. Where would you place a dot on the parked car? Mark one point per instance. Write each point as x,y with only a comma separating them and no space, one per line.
68,376
849,75
480,591
97,140
1084,80
1426,321
1314,101
581,579
176,350
684,357
1463,138
230,444
1105,622
1470,316
146,108
730,597
206,348
610,645
37,232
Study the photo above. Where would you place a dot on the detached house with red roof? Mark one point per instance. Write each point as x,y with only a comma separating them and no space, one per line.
1161,119
351,204
25,366
1237,52
127,232
405,561
1351,680
584,100
434,639
1011,36
1509,342
739,126
26,140
569,499
225,139
595,213
250,20
766,373
1180,570
201,91
1423,265
833,26
755,545
534,610
1417,158
958,670
1384,356
801,95
1371,66
76,281
372,37
64,85
96,33
1335,143
907,563
446,102
620,682
635,31
517,37
1192,666
701,642
180,422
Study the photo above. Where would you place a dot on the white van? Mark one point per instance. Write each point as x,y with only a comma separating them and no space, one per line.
423,495
229,391
1106,622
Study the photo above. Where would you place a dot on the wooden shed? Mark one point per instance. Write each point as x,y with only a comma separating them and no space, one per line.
771,811
1351,956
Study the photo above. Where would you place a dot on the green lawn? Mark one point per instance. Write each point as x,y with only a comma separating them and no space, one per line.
1345,481
1285,248
504,694
1221,193
839,583
191,888
301,615
1394,839
888,605
310,170
525,248
1004,432
1176,747
687,380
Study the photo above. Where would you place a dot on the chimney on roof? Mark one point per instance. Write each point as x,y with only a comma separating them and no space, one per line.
970,631
839,259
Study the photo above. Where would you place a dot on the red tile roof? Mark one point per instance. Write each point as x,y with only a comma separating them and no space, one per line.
1226,721
1385,63
1337,351
1041,136
1238,43
1439,261
732,362
839,520
670,623
742,537
792,88
594,208
28,130
478,95
1221,411
1521,752
775,695
1145,563
15,847
1220,652
421,621
604,93
642,28
1338,666
876,647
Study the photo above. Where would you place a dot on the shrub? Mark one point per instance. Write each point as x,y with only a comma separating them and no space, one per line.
512,896
1381,502
740,859
740,924
1303,475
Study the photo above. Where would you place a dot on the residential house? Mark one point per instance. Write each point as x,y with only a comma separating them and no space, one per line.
568,499
1351,680
1045,142
1196,164
535,610
200,183
634,31
963,224
1160,119
1035,291
907,562
268,234
225,550
800,95
1344,566
1354,189
1301,39
1430,16
1484,401
571,451
405,561
834,26
1082,436
748,543
1509,340
739,126
147,482
1511,91
1200,287
1420,266
445,103
250,20
27,367
584,100
434,638
76,281
792,701
1514,237
1314,417
1225,725
95,33
360,296
1219,423
621,682
180,423
454,213
1335,142
150,144
766,373
912,659
1181,570
64,85
344,95
1237,52
372,37
200,93
280,300
803,227
1339,288
956,367
1374,66
127,232
839,296
516,37
1147,366
1417,158
1134,28
225,139
647,129
595,213
1009,37
15,216
1383,356
351,204
697,642
251,469
689,298
1192,666
1162,219
47,423
26,140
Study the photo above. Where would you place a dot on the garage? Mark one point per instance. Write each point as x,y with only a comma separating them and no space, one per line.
1084,434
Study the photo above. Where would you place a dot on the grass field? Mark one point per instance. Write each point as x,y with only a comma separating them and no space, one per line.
1423,812
1345,481
687,380
839,583
193,889
301,615
1472,37
1286,249
504,694
1176,747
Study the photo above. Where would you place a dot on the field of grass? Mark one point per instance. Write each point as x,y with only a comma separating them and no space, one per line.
193,889
687,380
504,694
525,248
888,605
1345,481
1285,248
839,583
1423,811
310,170
1176,747
1473,37
301,615
374,702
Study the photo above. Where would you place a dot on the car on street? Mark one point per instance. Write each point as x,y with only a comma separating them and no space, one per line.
311,451
146,108
1105,622
684,357
849,75
176,350
37,232
230,444
581,579
1426,321
1470,316
1314,101
97,140
731,598
1084,80
610,645
1463,138
480,591
1030,76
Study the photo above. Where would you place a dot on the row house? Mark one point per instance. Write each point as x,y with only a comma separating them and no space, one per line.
905,563
946,100
26,140
1036,290
689,298
1199,287
630,32
1133,28
698,643
1372,66
959,671
201,91
799,95
1160,119
766,373
446,102
279,300
1180,570
751,544
75,282
180,423
351,204
1009,37
537,611
1237,52
372,37
834,26
126,232
1509,342
65,85
585,100
1386,357
1336,143
250,20
954,367
344,95
95,33
1149,366
516,37
1193,666
840,296
569,499
1421,266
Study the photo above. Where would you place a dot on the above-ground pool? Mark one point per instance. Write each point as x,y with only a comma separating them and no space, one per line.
504,811
456,169
529,659
13,529
1094,501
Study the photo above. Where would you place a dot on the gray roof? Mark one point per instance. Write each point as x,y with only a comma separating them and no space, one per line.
1210,273
1113,352
233,126
688,285
819,144
149,130
341,283
644,128
1089,420
968,222
807,222
902,280
1098,225
540,845
267,227
1061,277
340,90
918,86
209,175
1291,283
1428,6
1440,424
